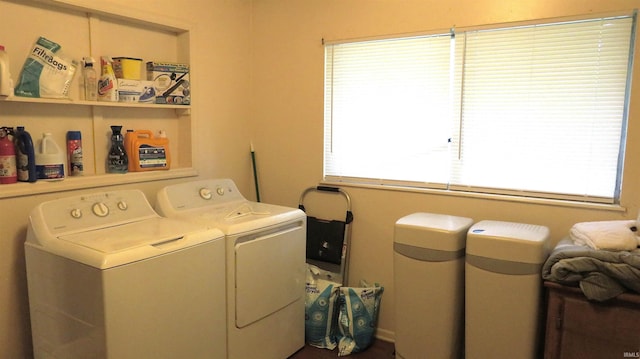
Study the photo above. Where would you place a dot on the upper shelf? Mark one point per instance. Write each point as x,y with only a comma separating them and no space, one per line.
69,101
180,109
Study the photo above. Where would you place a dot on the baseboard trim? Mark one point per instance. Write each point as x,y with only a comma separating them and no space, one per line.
386,335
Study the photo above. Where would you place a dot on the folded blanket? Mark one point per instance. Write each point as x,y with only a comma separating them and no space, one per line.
601,274
609,235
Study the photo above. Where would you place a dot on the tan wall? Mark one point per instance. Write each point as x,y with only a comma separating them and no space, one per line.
260,80
220,80
288,113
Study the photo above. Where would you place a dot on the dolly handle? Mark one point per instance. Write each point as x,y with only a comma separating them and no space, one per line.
328,189
349,215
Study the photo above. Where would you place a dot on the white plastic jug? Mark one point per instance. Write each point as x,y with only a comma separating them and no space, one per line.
6,85
50,159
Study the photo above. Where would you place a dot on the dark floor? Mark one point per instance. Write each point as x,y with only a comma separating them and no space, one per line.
378,350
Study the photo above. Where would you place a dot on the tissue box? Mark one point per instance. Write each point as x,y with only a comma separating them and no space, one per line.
170,81
136,91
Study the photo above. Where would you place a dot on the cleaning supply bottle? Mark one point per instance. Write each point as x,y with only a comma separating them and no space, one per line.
7,157
90,79
6,83
149,153
117,162
74,153
25,155
128,139
107,86
49,159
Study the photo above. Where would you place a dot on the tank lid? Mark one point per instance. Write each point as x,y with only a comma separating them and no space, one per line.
509,241
433,231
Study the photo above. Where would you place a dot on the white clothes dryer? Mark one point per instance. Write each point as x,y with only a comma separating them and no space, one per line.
109,278
266,246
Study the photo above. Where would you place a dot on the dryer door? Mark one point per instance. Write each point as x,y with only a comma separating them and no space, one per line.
269,268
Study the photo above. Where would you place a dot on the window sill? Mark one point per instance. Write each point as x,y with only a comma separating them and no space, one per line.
485,196
21,189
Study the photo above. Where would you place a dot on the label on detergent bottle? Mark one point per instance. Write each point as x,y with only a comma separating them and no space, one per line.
152,156
49,159
22,163
50,172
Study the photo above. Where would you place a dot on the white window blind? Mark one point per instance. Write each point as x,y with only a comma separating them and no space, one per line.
543,108
384,109
537,110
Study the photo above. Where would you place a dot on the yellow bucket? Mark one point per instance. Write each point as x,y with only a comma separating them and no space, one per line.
127,67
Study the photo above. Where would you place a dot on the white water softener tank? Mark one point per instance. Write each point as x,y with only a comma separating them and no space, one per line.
504,289
428,264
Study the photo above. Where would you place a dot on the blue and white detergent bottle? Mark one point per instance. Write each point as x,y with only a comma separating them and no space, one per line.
50,159
25,156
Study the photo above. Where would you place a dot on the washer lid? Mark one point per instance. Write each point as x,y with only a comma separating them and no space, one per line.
127,236
118,245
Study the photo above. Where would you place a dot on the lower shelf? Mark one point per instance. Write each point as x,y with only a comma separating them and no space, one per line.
81,182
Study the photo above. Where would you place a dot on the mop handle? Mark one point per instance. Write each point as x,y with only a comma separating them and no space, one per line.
255,172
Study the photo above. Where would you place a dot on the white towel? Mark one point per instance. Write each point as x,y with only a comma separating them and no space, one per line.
608,235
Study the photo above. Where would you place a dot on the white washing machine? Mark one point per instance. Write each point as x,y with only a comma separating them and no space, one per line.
109,278
266,249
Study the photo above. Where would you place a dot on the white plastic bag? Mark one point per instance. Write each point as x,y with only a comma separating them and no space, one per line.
358,317
46,73
320,315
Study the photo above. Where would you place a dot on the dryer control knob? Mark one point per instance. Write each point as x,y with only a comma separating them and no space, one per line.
123,206
205,193
220,191
76,213
100,209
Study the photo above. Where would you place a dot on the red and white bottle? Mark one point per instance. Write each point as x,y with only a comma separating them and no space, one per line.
8,170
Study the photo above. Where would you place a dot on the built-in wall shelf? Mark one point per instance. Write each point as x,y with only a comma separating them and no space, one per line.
21,189
181,110
99,29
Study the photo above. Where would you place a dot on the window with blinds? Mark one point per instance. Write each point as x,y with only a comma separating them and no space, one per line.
533,110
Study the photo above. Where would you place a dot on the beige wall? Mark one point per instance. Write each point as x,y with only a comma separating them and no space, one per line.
221,88
258,77
288,115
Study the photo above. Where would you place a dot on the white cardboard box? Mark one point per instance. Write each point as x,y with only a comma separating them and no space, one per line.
136,91
171,82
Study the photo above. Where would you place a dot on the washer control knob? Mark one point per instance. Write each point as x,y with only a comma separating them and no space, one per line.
76,213
123,206
100,209
220,191
205,193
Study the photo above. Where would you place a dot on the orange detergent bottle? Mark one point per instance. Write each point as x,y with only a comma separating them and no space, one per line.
147,152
